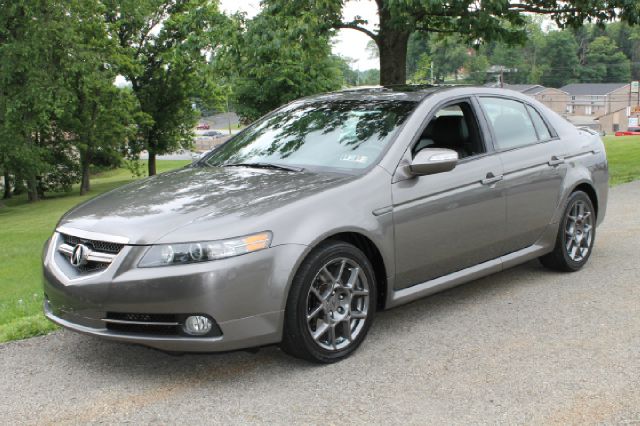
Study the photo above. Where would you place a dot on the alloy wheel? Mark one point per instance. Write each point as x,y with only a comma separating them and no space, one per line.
337,304
579,231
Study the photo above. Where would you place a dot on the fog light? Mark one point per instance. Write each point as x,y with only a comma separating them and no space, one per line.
197,325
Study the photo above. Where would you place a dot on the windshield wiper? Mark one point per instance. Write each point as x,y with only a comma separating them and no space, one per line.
266,166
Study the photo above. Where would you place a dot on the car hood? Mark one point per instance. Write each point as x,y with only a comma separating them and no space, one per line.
146,210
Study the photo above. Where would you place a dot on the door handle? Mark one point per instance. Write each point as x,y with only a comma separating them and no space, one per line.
556,161
491,179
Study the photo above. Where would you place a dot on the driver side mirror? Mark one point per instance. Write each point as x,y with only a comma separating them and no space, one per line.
429,161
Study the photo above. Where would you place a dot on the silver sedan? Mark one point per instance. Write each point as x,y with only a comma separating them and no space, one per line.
298,229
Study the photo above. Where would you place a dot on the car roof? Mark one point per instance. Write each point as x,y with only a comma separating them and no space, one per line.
414,93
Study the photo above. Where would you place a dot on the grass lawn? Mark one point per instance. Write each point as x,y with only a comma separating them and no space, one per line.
24,228
624,158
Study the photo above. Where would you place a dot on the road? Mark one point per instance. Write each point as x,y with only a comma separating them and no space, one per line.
523,346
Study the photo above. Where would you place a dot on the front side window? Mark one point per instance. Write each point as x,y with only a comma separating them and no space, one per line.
453,127
345,135
512,126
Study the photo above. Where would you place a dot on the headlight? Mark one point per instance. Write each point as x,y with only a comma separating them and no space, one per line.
203,251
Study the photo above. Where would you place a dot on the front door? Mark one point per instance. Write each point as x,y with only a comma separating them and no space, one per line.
449,221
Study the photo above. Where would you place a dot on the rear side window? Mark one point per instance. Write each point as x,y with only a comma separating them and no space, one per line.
541,127
512,125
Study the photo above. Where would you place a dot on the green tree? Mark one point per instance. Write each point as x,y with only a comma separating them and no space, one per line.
448,55
34,43
370,77
476,67
165,46
98,118
281,57
628,39
423,70
605,63
491,20
560,66
349,75
417,48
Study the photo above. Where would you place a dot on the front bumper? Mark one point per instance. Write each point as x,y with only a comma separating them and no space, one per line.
245,295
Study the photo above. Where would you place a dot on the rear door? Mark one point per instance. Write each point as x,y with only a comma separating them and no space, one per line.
533,161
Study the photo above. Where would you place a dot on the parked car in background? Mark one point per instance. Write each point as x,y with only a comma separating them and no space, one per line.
212,133
203,126
195,156
632,131
300,228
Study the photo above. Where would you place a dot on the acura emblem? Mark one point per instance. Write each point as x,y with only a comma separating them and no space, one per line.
79,255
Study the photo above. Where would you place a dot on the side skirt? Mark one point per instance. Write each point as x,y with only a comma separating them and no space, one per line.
544,245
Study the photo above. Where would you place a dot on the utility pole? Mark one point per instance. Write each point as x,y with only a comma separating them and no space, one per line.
228,114
433,81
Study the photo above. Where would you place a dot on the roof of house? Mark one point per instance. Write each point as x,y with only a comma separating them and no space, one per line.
528,89
594,89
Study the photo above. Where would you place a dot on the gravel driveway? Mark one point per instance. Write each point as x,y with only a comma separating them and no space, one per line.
524,346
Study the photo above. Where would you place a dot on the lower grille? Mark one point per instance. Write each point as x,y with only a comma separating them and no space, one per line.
153,324
142,317
161,330
92,267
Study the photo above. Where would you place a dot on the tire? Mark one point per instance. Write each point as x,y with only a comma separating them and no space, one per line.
335,286
576,235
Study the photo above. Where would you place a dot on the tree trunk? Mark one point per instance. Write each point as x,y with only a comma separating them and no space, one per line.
7,185
392,44
152,163
85,183
32,190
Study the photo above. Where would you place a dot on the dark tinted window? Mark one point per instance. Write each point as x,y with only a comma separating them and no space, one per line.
454,127
511,123
348,135
540,125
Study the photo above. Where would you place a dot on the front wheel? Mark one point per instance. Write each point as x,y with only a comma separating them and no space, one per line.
331,304
576,235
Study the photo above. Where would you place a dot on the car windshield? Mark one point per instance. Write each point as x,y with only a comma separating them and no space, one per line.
341,135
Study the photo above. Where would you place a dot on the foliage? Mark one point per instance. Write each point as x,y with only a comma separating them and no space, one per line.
448,57
561,62
493,20
605,63
423,68
34,42
164,49
555,58
476,67
99,116
280,57
417,48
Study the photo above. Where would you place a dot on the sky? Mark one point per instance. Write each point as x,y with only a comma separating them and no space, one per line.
349,43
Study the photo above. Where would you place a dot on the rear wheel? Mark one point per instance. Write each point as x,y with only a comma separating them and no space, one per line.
331,304
576,235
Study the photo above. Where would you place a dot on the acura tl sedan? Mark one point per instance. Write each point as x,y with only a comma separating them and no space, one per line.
300,228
